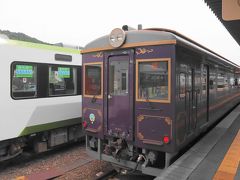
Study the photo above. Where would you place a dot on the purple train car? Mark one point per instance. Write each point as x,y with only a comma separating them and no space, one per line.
148,93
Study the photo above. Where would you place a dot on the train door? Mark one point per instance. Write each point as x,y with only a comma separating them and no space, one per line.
191,101
120,96
203,112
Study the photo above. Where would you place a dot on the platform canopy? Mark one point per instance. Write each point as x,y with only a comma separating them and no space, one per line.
228,12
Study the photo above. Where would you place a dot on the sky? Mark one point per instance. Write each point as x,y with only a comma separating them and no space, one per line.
78,22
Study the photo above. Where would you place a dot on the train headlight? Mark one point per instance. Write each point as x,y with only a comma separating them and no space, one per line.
117,37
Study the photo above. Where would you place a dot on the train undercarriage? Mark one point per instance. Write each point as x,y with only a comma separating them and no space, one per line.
127,158
40,142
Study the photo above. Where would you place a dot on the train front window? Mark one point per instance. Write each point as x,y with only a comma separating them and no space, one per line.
62,80
24,81
153,80
93,75
118,78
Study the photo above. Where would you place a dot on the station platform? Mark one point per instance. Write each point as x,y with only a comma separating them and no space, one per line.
216,156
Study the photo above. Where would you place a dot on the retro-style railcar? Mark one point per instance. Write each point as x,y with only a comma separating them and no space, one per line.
40,96
148,93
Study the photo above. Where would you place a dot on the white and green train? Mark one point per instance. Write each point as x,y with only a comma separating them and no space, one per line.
40,96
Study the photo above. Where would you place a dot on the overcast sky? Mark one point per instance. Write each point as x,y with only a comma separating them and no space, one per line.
78,22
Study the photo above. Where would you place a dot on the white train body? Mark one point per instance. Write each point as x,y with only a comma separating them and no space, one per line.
27,112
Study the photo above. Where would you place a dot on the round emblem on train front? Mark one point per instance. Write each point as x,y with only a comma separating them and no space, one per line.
117,37
92,118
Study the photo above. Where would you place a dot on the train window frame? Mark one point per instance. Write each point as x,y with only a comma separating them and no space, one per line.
138,61
84,80
74,78
38,64
220,81
118,87
14,64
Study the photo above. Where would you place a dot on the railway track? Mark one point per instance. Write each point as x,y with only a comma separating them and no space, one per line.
56,172
29,155
70,162
30,163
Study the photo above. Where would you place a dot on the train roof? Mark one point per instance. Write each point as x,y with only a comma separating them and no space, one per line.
134,38
5,40
149,37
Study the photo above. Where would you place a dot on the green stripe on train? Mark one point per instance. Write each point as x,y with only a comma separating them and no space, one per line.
48,126
44,46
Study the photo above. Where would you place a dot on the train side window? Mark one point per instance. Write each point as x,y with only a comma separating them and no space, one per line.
62,80
182,85
24,80
93,79
153,80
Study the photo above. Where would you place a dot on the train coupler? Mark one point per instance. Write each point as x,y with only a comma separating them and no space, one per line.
117,148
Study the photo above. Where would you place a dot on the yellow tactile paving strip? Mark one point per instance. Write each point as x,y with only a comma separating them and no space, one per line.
228,168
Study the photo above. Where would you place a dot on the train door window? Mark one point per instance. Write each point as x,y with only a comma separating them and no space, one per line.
93,79
231,81
24,80
62,80
118,78
204,80
190,80
212,80
220,82
182,82
153,80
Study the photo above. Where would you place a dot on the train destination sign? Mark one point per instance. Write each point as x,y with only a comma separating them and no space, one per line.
63,72
24,71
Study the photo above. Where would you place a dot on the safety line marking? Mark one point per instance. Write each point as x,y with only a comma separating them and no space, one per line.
229,165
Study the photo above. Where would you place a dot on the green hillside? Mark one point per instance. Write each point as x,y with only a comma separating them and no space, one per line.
21,37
